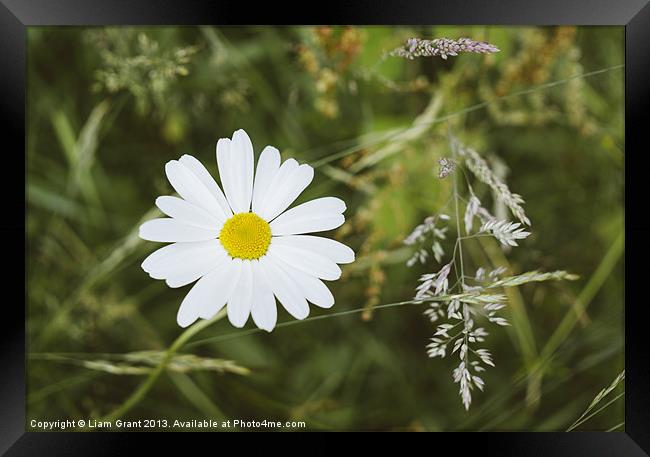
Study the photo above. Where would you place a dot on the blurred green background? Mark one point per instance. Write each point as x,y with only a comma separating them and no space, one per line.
108,107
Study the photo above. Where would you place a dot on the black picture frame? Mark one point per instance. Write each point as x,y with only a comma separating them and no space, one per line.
17,15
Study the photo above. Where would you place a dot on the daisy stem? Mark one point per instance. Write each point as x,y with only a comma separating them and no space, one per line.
148,383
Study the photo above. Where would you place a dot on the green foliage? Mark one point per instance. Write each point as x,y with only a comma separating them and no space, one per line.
108,107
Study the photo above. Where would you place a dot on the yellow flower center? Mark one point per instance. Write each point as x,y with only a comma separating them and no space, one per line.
246,236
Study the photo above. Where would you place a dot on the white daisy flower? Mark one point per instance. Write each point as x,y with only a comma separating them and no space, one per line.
245,247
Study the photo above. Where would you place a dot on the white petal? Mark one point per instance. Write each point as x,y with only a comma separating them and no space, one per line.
172,230
332,249
172,260
161,254
190,188
285,289
196,267
267,166
311,263
242,162
226,279
308,225
187,212
239,304
281,196
223,164
267,200
263,309
196,167
312,288
313,216
235,160
208,295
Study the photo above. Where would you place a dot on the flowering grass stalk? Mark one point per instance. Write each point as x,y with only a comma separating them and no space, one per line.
443,47
601,395
456,309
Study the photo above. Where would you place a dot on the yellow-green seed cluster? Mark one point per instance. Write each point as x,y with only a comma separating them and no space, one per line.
246,236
